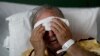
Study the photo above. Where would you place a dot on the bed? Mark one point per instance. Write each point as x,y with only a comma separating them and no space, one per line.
5,11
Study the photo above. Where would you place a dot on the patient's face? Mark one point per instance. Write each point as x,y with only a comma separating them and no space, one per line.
49,37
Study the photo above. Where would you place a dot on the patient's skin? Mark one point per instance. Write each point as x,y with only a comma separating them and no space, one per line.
54,39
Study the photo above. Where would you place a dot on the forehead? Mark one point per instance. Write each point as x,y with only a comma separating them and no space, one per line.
45,13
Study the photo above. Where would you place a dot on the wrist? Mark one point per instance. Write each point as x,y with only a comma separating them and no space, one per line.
66,45
72,48
64,41
39,53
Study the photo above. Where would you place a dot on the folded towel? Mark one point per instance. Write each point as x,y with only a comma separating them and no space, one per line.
46,22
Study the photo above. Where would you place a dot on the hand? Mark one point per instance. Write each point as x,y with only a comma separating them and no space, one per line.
61,30
37,39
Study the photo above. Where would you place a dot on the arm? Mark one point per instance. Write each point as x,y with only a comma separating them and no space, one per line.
39,53
37,41
63,34
31,52
76,50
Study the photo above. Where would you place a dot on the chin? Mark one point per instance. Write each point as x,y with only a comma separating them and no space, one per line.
54,47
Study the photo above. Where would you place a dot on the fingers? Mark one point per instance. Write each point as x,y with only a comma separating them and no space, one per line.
41,31
55,26
60,23
37,28
38,33
54,30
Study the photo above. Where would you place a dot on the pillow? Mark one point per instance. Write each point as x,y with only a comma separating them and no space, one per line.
82,22
19,33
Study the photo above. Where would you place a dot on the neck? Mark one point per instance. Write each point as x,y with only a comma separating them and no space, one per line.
51,52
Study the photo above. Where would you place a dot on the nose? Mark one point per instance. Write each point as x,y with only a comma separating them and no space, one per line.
51,34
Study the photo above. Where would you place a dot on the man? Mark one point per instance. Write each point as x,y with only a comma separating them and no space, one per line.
49,42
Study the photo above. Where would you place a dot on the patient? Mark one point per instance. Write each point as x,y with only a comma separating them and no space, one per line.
47,43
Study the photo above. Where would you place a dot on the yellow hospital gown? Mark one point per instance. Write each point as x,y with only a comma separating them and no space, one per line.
88,45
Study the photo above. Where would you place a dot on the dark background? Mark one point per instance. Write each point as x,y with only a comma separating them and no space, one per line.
60,3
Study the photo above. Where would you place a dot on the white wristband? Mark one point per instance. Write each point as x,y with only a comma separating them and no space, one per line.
66,45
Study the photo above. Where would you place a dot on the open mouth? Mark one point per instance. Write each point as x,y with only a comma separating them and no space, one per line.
53,39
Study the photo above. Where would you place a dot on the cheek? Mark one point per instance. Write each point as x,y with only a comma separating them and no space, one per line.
56,46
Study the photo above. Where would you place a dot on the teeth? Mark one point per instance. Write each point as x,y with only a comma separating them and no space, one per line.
53,38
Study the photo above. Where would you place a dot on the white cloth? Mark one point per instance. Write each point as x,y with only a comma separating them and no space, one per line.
46,22
81,21
19,33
